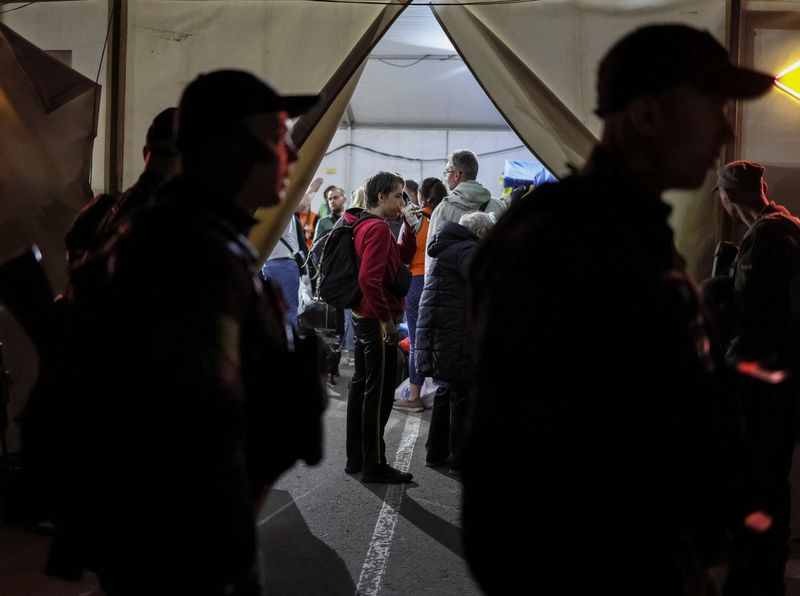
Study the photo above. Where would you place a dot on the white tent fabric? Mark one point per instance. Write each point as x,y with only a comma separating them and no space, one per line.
297,47
542,121
300,45
551,106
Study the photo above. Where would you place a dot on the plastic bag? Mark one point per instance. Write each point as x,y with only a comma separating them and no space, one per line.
428,391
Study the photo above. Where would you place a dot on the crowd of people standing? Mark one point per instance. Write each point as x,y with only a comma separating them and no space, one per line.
568,343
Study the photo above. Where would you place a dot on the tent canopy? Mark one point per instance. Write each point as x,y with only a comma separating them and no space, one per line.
535,61
415,79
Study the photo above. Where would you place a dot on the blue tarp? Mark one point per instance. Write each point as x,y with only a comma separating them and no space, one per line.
525,173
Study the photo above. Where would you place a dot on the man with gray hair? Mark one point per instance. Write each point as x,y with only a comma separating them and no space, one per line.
466,194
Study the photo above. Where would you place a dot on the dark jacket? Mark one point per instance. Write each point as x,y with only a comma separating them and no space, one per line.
593,381
767,290
443,341
95,223
184,361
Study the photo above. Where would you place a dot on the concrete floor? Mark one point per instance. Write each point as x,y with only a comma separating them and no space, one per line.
323,532
365,538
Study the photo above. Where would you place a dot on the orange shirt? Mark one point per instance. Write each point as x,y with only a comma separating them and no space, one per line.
418,262
308,220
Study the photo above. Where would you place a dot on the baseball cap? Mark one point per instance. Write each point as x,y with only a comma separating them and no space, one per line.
740,175
217,102
658,57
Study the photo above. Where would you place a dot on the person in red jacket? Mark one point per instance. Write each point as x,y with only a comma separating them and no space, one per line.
384,280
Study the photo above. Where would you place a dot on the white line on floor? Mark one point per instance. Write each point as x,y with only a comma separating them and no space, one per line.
292,502
369,583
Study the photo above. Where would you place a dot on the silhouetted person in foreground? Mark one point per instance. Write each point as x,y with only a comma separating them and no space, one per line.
182,418
594,385
765,350
96,222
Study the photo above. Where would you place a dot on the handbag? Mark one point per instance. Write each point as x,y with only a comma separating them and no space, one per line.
314,313
323,317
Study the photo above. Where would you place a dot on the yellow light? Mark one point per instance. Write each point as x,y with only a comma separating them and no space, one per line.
788,80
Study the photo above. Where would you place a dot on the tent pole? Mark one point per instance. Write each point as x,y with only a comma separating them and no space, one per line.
348,167
116,95
732,148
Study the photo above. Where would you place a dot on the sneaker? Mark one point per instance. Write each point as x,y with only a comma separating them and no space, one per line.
407,405
385,474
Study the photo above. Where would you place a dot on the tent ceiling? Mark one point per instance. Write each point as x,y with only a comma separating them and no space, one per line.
415,79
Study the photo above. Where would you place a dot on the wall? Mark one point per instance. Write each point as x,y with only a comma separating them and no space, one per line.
770,131
354,165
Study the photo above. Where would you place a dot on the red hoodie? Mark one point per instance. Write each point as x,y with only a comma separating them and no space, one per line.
381,256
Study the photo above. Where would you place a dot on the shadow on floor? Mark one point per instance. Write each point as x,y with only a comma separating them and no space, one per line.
292,559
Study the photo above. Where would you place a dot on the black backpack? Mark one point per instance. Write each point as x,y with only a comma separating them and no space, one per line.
337,276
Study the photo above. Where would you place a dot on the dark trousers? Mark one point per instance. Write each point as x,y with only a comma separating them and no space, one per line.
369,402
770,423
448,420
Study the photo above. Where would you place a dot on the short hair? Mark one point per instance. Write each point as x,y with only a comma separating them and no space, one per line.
466,162
332,188
477,222
160,137
412,185
382,182
327,190
432,192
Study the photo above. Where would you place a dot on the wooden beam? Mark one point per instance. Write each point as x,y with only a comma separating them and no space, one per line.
115,97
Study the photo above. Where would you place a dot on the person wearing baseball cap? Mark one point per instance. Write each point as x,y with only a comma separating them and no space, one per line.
580,298
190,361
766,338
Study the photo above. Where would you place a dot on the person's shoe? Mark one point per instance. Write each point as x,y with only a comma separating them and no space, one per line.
385,474
408,405
352,468
331,379
433,462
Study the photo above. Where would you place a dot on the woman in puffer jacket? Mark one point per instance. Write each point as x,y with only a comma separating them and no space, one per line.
444,341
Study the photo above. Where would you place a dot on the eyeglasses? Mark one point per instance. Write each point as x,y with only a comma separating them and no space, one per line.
449,171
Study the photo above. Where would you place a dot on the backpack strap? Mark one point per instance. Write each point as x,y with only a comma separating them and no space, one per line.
298,256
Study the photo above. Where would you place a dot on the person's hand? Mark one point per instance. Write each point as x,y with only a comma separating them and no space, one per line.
411,218
390,331
314,186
